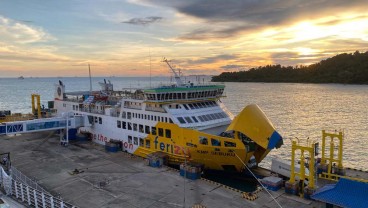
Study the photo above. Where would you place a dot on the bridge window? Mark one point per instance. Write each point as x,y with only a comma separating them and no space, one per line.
186,107
168,133
229,144
129,139
154,132
215,142
194,118
203,140
161,132
181,120
170,120
119,124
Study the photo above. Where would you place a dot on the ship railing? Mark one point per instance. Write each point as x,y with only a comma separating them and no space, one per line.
29,195
92,111
133,107
155,109
20,177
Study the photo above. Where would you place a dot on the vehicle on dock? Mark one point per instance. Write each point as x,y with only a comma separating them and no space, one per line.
186,121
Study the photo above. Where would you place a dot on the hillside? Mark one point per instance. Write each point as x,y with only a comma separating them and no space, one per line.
343,68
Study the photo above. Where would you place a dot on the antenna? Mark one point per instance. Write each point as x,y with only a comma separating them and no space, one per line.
90,80
150,67
179,82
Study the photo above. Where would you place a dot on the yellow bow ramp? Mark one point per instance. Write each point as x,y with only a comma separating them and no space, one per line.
253,123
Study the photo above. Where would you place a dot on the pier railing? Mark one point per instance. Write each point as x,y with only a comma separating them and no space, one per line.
29,195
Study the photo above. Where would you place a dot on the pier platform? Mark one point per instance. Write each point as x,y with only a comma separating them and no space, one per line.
84,175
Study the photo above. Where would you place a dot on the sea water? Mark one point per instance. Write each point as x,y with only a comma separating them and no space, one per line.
297,110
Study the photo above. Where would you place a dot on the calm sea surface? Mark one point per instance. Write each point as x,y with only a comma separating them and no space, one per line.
296,110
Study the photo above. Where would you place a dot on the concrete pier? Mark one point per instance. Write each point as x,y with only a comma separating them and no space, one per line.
119,180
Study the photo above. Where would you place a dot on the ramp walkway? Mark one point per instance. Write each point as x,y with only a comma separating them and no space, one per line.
44,124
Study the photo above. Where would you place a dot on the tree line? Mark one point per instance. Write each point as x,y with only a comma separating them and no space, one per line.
343,68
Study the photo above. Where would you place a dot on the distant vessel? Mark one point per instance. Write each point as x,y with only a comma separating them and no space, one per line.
185,121
21,77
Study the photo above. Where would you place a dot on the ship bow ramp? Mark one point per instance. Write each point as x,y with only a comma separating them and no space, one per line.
252,125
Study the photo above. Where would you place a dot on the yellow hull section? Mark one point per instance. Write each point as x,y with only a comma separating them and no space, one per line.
215,152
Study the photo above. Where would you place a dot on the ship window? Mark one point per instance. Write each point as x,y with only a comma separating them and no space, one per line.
170,120
191,106
194,118
167,133
215,142
141,142
201,118
145,116
124,114
186,107
203,140
135,127
95,118
224,114
148,143
129,115
129,139
212,116
205,118
147,128
73,107
161,132
152,117
229,144
188,120
181,120
99,120
141,128
208,117
155,118
154,132
217,116
129,126
166,119
124,125
135,140
118,124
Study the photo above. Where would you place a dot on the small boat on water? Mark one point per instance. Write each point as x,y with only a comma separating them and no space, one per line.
187,122
21,77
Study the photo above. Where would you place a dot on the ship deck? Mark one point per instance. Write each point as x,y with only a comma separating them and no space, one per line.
119,180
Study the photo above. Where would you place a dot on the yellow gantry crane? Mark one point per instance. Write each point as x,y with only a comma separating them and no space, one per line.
292,185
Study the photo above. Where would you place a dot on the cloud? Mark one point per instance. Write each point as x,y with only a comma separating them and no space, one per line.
17,32
212,59
143,21
233,67
226,19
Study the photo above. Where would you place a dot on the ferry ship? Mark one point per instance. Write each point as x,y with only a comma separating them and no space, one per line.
186,121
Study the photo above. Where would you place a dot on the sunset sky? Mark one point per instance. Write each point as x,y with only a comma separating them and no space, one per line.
117,37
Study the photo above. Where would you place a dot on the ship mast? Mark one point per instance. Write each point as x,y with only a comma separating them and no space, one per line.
178,81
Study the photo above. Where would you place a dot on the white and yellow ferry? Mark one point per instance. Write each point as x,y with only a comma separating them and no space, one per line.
185,121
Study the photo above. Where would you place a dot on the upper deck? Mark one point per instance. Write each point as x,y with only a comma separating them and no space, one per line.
184,93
